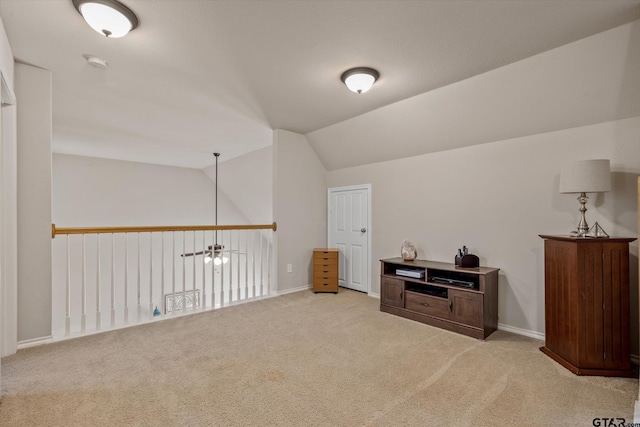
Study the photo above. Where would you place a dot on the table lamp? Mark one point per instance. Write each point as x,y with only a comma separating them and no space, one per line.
585,176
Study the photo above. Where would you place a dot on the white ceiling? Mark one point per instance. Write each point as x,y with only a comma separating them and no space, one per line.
200,76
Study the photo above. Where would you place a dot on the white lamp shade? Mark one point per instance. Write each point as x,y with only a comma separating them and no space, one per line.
107,17
360,79
586,176
359,83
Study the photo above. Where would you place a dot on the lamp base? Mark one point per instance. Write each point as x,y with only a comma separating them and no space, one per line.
583,227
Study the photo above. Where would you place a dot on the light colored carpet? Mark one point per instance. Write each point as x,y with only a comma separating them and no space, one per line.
301,359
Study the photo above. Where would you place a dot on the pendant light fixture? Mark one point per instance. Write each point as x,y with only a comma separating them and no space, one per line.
108,17
360,79
217,255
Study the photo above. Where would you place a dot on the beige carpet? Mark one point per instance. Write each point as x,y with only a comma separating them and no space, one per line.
301,359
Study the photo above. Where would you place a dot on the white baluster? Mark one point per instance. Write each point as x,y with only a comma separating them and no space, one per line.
184,273
83,318
213,275
268,265
203,303
113,283
221,267
151,307
238,267
138,293
253,260
246,264
261,264
173,274
67,309
230,266
98,314
162,305
193,286
126,278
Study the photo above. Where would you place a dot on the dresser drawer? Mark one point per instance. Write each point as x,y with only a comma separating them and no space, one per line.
425,304
325,264
325,285
326,254
327,272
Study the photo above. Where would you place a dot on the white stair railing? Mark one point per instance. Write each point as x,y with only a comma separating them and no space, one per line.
101,274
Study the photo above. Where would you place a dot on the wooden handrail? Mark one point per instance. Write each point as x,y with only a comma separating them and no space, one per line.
150,229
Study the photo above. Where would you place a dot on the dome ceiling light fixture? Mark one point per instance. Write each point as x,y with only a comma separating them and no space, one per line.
360,79
108,17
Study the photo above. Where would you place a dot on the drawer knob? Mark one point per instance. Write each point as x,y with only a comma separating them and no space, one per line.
426,305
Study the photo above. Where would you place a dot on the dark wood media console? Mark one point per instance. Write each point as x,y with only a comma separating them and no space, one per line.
463,300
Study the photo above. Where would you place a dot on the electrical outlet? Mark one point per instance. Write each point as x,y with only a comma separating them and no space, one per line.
289,268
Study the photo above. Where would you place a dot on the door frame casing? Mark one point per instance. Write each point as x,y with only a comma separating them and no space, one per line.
367,188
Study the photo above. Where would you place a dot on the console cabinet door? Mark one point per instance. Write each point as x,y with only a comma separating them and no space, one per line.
392,291
466,307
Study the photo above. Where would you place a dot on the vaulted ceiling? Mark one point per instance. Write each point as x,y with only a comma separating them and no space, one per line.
200,76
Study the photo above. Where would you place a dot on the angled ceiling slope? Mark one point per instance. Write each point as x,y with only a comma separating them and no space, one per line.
203,76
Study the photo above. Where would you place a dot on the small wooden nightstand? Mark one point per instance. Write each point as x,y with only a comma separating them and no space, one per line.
325,270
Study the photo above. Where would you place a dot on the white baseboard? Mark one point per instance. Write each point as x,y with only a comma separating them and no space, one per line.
520,331
34,342
292,290
373,295
540,336
636,413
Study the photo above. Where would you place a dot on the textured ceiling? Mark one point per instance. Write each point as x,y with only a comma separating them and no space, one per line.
202,76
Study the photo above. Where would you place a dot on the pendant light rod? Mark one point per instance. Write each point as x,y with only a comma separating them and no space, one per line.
216,214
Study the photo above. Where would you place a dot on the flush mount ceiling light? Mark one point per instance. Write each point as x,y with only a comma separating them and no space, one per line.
360,79
108,17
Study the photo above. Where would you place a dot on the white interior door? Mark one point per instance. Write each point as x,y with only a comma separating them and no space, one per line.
349,223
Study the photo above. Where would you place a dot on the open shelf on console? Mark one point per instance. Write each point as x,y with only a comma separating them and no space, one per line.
423,288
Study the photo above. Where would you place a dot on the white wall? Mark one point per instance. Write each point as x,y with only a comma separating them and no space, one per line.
8,200
247,181
92,192
496,199
33,91
8,231
300,208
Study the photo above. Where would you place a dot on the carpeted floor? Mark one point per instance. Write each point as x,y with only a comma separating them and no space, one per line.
301,359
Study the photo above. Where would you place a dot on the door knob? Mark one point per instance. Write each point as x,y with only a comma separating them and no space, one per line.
363,230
